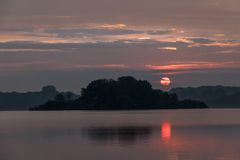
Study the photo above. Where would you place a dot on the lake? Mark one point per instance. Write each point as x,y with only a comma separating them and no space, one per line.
207,134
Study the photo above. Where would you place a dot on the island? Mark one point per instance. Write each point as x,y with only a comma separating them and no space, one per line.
125,93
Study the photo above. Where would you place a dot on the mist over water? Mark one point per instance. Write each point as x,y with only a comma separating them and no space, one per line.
166,134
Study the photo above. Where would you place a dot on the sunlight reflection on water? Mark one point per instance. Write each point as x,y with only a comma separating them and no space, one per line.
165,135
166,131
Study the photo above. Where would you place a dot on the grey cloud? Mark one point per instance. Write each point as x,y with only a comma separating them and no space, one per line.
202,40
85,31
12,30
114,44
185,13
157,32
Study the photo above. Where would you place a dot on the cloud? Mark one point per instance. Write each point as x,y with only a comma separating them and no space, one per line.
159,32
91,31
113,26
173,73
219,35
193,66
216,44
202,40
119,35
231,51
55,66
17,66
88,33
99,33
168,48
92,66
28,50
201,16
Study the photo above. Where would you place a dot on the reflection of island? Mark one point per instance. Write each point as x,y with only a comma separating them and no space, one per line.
126,93
127,134
124,134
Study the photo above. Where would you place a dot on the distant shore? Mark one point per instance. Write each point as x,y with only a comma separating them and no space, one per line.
125,93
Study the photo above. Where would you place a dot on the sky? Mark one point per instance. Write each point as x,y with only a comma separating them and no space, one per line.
68,43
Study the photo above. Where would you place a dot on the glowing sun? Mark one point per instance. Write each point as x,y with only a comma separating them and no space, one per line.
165,81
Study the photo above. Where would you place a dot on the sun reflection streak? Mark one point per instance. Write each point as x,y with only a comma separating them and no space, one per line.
166,131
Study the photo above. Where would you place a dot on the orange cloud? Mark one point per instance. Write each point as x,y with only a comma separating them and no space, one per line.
144,38
113,26
194,65
114,66
168,48
219,35
217,44
168,73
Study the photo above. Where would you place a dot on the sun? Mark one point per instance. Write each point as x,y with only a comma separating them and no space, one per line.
165,81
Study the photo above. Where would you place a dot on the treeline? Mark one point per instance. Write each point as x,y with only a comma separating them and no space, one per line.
125,93
213,96
24,101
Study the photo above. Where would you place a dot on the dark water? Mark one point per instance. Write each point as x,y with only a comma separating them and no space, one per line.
137,135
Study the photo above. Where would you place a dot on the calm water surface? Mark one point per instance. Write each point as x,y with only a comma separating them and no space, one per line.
136,135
